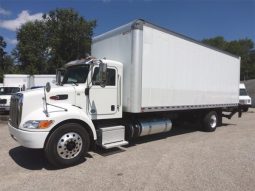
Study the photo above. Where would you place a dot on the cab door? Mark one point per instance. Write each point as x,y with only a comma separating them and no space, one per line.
102,101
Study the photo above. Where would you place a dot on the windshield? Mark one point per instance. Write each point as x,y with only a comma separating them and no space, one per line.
8,90
243,92
76,74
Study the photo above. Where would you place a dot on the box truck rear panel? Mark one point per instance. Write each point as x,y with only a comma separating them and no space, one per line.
166,71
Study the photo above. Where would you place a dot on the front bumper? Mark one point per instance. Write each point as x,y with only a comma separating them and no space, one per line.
4,108
245,105
28,139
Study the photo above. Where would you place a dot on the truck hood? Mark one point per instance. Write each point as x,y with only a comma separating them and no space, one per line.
34,99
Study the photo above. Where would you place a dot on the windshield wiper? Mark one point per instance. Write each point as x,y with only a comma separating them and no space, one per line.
75,83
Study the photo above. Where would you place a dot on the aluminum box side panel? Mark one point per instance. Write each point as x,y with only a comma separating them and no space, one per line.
117,46
16,80
41,80
179,72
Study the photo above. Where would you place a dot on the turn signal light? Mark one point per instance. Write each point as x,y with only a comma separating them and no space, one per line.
44,124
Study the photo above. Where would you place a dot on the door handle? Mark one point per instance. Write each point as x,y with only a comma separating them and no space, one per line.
112,107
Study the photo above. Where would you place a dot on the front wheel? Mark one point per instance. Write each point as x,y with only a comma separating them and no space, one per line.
67,145
210,121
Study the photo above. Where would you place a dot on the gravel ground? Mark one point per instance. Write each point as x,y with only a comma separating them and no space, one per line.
185,159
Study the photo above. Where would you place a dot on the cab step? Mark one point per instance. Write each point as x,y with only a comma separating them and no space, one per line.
110,137
116,144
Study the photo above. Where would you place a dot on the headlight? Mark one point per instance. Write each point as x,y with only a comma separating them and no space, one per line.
37,124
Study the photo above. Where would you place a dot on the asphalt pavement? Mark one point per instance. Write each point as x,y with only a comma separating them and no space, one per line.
184,159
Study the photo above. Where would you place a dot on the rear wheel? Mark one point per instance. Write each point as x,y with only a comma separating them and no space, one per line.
210,121
67,145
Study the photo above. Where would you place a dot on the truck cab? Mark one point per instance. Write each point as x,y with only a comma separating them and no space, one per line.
244,98
60,119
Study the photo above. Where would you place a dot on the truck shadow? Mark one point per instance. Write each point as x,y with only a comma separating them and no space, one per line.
33,159
175,131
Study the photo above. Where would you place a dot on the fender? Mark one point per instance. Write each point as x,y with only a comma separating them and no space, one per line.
58,116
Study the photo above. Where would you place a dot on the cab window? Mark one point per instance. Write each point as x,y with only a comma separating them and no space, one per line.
111,77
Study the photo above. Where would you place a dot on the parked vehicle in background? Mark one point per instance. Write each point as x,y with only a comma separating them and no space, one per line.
14,83
144,78
5,97
17,80
41,79
244,98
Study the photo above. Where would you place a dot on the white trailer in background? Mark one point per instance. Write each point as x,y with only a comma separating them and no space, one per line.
144,79
14,83
41,79
17,80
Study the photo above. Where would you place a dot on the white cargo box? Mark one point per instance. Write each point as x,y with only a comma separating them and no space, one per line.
164,70
42,79
17,80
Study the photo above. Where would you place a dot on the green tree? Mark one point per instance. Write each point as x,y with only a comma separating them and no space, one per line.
218,42
69,36
61,36
31,48
243,48
6,61
2,52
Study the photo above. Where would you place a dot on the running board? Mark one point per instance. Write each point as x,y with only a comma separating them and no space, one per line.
116,144
109,137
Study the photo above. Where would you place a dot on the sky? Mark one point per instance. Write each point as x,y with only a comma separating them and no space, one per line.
198,19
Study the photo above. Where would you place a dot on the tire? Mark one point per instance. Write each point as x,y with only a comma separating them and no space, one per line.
245,109
210,121
67,145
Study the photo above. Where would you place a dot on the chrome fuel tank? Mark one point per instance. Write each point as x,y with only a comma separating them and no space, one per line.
154,126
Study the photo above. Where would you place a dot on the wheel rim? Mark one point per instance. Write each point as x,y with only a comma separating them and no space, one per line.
213,121
69,145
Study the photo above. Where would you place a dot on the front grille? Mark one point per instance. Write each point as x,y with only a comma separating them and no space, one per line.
3,101
16,109
241,101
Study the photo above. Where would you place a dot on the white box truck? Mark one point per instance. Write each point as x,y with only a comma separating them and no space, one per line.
39,80
17,80
142,80
244,99
14,83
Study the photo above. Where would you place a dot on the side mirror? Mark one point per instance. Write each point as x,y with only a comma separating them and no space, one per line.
102,74
58,76
48,87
